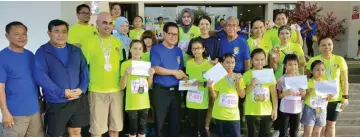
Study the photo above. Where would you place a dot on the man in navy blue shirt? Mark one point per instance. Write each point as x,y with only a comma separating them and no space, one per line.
232,43
167,60
19,94
61,71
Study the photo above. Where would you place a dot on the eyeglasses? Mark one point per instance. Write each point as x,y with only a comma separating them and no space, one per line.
172,34
231,26
196,49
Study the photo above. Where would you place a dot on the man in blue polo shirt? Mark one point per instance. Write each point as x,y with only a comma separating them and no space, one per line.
232,43
19,94
61,71
167,60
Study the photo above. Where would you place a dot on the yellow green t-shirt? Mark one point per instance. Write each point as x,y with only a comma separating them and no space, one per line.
338,64
184,39
272,35
136,34
226,103
313,100
292,48
146,56
101,80
197,99
78,33
257,102
134,84
264,44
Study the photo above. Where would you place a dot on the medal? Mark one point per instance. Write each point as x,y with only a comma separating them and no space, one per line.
141,89
318,110
107,65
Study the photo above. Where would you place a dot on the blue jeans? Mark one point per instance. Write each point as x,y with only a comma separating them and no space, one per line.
223,127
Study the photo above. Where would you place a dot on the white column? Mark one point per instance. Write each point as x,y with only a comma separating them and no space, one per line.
141,9
269,11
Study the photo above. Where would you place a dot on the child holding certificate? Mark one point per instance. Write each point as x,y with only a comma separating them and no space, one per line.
197,101
260,109
290,103
226,94
314,113
137,97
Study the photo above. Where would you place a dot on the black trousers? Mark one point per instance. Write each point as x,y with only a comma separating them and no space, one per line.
287,121
309,44
167,104
197,122
258,126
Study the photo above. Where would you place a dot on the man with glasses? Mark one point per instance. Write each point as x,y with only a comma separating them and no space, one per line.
103,54
167,60
78,33
61,71
233,43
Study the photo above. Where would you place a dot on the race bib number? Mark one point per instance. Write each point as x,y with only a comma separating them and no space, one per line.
195,96
318,102
183,45
228,100
139,85
260,94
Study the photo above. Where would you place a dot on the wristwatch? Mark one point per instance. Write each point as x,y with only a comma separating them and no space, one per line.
345,96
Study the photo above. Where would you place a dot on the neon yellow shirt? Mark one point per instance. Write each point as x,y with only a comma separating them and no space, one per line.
100,80
136,34
146,56
293,48
134,84
184,39
258,101
272,35
198,99
264,44
226,103
313,100
78,34
338,65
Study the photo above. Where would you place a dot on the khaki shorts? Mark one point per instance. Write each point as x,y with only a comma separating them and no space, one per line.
106,112
26,126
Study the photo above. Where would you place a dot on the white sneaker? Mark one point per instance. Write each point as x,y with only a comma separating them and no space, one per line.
357,58
276,133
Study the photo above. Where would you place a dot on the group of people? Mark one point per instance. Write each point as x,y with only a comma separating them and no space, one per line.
85,76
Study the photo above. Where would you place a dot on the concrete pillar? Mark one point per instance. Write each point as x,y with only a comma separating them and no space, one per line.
141,9
269,11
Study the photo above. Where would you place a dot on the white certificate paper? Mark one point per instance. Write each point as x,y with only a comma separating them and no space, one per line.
264,76
140,68
187,85
296,83
326,88
216,73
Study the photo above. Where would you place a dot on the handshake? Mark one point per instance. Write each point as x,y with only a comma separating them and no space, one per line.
72,94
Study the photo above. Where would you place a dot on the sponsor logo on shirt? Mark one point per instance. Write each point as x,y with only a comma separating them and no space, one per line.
236,50
192,35
117,50
178,58
336,66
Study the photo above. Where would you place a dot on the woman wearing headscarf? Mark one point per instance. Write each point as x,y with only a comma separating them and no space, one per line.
121,32
187,30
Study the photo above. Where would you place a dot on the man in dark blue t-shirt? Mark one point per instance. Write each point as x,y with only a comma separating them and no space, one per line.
167,60
19,94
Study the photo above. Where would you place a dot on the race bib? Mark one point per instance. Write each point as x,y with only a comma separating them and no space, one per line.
195,96
260,94
229,100
139,86
183,45
318,102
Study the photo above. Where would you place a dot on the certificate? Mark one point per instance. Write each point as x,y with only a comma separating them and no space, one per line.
296,83
187,85
326,88
216,73
140,68
264,76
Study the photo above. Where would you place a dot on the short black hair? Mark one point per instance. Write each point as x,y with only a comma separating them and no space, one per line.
281,12
226,55
78,8
257,51
159,18
322,38
222,19
14,23
311,18
289,57
142,20
206,18
57,22
261,19
170,24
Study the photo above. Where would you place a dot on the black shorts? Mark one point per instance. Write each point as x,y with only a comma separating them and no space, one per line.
359,42
137,121
332,114
73,114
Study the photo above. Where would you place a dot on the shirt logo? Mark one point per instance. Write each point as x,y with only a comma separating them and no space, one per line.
266,47
336,66
117,50
178,59
236,50
192,35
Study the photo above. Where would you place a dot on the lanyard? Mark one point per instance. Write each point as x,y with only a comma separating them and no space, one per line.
287,49
106,53
328,69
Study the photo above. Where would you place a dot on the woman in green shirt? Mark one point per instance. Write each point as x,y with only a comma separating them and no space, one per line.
257,40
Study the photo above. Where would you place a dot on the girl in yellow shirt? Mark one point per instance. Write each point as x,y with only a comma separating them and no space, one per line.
226,94
148,39
136,33
137,95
